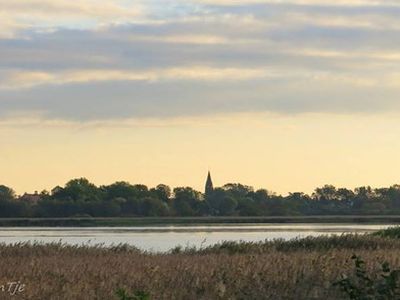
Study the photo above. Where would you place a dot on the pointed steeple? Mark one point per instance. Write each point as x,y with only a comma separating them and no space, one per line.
209,185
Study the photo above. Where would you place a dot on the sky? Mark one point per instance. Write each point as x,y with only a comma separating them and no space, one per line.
286,95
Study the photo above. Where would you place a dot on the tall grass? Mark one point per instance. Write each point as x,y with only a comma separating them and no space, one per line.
298,269
391,232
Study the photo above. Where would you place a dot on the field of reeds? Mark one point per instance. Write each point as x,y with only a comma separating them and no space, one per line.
298,269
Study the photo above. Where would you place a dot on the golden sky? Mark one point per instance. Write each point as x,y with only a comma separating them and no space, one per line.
281,153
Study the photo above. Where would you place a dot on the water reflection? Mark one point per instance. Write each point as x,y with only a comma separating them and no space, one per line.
163,238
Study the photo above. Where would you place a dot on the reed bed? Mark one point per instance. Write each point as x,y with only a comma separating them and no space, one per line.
298,269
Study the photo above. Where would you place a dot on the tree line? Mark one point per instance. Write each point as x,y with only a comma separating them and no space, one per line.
81,198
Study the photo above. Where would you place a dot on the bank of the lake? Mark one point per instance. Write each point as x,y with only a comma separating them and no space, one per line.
138,221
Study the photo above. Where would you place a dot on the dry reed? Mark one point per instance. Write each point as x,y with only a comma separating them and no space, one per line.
300,269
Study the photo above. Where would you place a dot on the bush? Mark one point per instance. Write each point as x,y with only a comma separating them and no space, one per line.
139,295
364,286
392,232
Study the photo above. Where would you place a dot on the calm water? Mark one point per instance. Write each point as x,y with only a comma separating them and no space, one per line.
163,238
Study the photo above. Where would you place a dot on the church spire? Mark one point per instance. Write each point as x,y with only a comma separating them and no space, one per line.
209,185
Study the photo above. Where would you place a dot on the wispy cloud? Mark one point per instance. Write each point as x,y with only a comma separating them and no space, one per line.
301,2
27,79
50,14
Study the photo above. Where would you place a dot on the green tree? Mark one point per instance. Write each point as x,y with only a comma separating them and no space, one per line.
187,201
238,190
152,207
227,205
326,193
120,189
221,203
131,207
6,193
162,192
78,190
248,207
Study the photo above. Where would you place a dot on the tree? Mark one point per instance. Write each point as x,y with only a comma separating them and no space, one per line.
162,192
393,194
326,193
221,202
102,208
298,203
248,207
131,207
141,191
183,208
227,205
152,207
238,190
120,189
60,208
362,196
186,201
261,196
6,193
78,190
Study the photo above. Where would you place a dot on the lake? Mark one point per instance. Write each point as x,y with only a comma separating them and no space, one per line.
163,238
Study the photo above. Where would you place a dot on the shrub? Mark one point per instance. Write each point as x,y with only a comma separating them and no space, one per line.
138,295
364,286
392,232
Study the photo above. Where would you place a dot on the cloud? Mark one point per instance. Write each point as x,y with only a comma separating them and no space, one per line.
121,100
16,79
301,2
45,15
78,8
185,39
85,62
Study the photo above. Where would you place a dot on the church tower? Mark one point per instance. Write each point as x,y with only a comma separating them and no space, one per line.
209,185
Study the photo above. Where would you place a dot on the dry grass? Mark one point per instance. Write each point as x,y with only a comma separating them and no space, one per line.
302,269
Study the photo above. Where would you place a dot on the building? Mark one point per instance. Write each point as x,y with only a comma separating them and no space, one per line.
209,185
31,198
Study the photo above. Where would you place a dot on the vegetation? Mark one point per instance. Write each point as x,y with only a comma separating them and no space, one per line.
391,232
364,286
139,295
80,198
311,268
